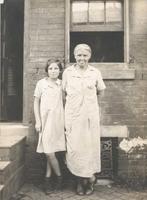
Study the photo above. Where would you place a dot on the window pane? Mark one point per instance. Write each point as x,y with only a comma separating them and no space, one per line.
113,11
79,12
106,46
96,11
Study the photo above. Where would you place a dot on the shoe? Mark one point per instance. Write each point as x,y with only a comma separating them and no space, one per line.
59,183
80,189
89,189
48,187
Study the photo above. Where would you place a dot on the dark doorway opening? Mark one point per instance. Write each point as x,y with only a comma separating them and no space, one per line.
11,68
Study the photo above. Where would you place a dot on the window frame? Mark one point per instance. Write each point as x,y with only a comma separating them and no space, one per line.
104,66
98,24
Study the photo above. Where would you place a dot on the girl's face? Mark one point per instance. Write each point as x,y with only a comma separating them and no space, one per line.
82,57
53,71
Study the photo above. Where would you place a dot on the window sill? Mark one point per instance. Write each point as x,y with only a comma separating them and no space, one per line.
112,71
115,71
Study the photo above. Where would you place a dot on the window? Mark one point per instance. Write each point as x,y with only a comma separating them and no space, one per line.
102,25
106,46
96,11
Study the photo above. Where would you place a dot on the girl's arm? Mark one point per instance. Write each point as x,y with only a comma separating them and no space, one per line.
37,114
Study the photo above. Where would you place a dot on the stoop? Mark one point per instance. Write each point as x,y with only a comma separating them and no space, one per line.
12,159
1,191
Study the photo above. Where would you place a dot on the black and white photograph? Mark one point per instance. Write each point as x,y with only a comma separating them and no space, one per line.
73,99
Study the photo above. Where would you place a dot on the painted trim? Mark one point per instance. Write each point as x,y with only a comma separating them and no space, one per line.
126,31
26,51
67,30
0,63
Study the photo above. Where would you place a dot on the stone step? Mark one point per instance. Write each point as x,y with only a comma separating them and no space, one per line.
1,191
7,168
4,171
11,147
12,162
12,129
13,184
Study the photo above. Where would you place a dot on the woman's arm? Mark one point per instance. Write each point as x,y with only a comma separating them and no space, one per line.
100,93
37,114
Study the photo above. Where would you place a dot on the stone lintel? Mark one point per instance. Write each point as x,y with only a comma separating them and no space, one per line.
114,131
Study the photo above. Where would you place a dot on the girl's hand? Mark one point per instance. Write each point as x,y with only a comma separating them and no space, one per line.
38,126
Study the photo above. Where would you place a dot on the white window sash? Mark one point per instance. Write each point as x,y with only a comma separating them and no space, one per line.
126,30
1,1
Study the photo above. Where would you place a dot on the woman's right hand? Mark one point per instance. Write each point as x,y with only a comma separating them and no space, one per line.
38,126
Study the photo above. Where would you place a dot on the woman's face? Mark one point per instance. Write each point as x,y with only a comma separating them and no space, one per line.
53,71
82,57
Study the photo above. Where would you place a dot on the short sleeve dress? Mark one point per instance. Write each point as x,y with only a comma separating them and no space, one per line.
52,137
82,120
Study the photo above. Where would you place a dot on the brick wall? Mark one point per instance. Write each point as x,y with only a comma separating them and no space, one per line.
134,97
45,39
124,102
138,30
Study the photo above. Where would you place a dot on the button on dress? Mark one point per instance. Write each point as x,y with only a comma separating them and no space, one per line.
51,137
82,120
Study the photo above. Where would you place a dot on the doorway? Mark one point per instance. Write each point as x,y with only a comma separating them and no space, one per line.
11,65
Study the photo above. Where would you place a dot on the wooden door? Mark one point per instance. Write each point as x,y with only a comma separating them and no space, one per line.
11,60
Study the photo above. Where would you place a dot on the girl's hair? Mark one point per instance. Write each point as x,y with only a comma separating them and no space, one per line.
82,46
57,61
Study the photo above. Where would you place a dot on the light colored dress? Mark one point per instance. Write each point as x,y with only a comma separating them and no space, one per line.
82,120
52,137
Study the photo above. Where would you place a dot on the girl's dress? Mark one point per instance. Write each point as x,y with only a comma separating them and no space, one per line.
82,120
52,137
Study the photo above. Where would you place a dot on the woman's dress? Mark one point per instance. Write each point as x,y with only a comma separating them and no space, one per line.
82,120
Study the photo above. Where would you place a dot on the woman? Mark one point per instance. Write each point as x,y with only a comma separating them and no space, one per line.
81,84
49,117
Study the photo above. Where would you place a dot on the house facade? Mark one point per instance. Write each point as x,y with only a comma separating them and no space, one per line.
33,31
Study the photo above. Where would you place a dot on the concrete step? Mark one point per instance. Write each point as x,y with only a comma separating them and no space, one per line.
12,129
11,147
13,184
12,165
4,171
7,168
1,191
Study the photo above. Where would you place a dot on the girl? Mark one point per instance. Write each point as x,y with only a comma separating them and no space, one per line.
48,110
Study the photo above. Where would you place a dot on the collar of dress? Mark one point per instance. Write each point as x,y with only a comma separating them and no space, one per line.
57,82
85,74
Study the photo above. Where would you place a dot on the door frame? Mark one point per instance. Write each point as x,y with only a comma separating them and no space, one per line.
0,68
